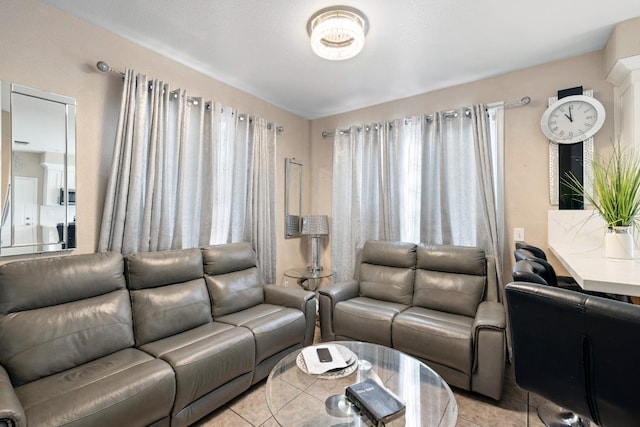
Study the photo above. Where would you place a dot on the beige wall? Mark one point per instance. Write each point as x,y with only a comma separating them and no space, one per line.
526,149
623,42
47,49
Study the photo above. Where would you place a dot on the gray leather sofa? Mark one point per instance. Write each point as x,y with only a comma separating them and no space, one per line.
439,304
160,338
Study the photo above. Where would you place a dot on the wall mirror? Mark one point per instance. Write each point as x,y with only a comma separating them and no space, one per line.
37,171
292,198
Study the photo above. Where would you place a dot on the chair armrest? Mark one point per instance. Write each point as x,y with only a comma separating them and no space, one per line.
489,346
11,411
490,314
329,297
295,298
287,297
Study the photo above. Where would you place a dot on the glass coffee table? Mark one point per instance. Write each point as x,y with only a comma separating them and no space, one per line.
296,398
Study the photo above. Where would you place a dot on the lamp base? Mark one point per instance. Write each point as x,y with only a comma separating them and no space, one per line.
315,266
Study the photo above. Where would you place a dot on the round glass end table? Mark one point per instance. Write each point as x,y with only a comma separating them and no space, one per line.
296,398
307,280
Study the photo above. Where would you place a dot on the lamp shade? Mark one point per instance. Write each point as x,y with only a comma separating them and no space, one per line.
315,224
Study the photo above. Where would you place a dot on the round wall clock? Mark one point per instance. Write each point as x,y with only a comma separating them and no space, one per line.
572,119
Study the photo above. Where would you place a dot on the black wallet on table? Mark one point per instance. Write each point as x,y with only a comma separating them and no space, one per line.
375,402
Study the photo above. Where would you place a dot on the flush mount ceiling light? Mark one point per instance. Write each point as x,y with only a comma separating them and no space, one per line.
337,32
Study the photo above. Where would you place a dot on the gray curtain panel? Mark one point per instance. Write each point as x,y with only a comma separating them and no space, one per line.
187,173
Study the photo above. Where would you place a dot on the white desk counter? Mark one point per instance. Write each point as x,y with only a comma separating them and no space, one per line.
576,239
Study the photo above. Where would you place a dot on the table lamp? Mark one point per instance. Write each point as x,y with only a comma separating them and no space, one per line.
315,226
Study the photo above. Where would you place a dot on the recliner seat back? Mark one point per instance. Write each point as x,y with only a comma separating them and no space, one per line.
168,293
451,279
232,277
53,322
387,271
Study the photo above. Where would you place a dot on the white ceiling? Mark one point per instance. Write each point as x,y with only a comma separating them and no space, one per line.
413,46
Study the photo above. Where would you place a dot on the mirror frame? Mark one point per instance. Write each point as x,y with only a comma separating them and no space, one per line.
61,189
292,191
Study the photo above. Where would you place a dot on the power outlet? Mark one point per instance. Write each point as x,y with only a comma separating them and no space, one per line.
518,234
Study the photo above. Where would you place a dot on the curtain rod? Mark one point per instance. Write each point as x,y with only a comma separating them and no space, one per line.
106,68
525,100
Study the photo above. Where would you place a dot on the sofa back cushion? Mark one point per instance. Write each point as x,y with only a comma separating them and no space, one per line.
58,313
232,276
168,293
387,271
450,279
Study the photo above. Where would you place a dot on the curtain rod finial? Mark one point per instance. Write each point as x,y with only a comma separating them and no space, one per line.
103,67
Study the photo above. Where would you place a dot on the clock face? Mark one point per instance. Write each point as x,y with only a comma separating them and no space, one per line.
572,119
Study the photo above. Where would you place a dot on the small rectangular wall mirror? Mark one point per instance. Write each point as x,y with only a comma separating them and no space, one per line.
292,198
37,171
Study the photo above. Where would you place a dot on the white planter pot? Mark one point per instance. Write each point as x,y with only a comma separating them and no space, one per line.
618,243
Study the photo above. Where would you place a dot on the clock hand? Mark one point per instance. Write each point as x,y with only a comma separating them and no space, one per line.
569,116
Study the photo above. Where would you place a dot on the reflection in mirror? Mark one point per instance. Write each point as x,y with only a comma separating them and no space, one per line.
37,171
292,198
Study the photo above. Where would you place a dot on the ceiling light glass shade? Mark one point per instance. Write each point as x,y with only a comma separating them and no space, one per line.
338,32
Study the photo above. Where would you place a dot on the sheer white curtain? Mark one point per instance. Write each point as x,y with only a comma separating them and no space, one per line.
428,179
357,209
183,175
261,213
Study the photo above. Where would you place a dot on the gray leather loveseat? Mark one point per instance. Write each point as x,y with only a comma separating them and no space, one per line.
440,304
160,338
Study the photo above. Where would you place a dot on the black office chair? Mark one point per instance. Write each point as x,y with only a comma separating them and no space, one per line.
526,251
547,270
536,251
547,341
577,351
531,271
549,274
612,328
536,270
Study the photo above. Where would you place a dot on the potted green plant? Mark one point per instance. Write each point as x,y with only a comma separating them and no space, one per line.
616,197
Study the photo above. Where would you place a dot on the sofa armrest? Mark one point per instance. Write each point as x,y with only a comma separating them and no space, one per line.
11,411
329,297
287,297
295,298
490,314
341,291
489,336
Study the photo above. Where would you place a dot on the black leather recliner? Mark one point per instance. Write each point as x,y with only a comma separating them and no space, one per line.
594,374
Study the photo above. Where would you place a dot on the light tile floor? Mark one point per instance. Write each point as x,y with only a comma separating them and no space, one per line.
516,408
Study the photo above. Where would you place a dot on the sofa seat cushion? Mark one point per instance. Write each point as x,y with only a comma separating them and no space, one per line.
366,319
432,335
274,328
205,358
107,391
